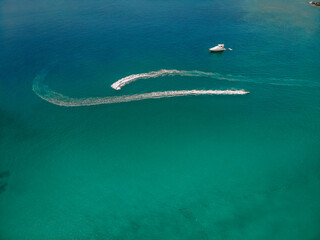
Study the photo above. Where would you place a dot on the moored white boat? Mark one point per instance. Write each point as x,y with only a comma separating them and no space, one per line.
218,48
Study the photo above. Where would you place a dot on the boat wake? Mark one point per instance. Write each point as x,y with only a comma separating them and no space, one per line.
164,72
44,92
217,76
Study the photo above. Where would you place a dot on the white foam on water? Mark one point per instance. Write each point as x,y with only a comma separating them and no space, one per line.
53,97
164,72
228,77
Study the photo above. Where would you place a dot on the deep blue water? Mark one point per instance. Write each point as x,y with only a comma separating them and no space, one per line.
192,167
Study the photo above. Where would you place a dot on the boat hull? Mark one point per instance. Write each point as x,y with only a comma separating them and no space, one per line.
217,50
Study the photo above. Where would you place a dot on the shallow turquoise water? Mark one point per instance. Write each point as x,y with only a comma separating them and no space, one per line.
194,167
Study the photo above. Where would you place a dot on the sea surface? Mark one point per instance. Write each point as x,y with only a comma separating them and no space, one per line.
81,160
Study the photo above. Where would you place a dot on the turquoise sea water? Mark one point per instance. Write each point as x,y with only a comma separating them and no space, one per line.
192,167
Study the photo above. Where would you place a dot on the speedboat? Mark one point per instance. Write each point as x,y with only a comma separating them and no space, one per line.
218,48
317,4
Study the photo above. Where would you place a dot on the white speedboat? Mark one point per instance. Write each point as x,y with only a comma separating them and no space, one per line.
218,48
313,3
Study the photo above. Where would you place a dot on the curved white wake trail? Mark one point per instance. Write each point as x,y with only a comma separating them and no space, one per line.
228,77
58,99
164,72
